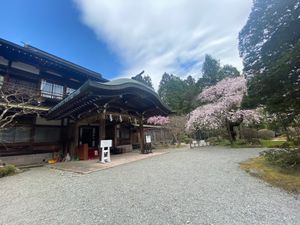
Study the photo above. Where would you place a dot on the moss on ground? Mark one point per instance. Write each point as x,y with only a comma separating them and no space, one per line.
271,143
261,144
288,180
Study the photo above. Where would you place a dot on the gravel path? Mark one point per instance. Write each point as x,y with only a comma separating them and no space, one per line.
183,187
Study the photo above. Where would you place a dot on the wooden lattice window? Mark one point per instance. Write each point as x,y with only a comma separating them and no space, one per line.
51,90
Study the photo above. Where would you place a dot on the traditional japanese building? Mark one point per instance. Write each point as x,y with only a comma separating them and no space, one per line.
75,106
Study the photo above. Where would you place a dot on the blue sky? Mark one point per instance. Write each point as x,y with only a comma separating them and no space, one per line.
55,26
119,38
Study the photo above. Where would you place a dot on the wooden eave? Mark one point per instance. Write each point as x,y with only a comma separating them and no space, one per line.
42,59
124,96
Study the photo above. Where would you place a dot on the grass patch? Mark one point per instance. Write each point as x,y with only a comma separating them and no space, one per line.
7,170
218,141
245,145
287,179
271,143
260,144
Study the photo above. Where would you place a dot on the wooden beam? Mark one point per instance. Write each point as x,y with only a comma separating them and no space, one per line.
20,106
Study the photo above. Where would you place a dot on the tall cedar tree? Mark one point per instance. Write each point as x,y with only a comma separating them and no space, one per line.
212,72
172,91
270,46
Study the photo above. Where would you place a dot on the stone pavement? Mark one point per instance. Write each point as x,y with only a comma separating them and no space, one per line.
89,166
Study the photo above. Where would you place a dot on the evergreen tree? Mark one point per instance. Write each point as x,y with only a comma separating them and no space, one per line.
271,30
146,79
190,81
228,71
180,94
163,87
189,95
270,46
171,90
210,70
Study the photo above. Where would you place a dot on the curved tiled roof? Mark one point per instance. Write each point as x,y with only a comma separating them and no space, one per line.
121,95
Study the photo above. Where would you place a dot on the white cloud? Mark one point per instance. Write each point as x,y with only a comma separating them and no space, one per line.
168,35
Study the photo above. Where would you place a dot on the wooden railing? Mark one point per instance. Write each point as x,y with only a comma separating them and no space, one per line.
27,87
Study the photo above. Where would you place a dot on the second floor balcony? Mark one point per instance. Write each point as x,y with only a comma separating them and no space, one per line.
43,89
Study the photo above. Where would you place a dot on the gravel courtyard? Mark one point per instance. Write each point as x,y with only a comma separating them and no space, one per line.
200,186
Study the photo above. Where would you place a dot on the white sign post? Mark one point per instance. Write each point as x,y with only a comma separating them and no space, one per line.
105,146
148,139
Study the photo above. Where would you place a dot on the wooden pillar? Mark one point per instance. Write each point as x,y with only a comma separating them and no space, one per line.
131,136
32,133
102,125
65,139
75,140
116,135
142,136
62,137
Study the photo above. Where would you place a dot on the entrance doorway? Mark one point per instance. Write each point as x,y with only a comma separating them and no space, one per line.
89,135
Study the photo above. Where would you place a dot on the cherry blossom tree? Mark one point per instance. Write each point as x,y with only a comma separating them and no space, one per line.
221,108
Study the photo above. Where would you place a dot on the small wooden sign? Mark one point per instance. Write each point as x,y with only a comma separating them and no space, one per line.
105,146
106,143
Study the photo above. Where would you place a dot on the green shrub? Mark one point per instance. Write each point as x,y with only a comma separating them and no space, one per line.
274,144
285,145
266,134
218,141
241,142
7,170
285,158
254,141
248,134
213,140
296,141
187,140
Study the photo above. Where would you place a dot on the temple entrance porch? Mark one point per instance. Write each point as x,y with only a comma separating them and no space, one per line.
115,110
125,137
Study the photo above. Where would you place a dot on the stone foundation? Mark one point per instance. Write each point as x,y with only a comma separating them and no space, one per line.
22,160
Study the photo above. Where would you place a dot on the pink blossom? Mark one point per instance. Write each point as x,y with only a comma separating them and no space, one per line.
253,116
158,120
221,102
229,87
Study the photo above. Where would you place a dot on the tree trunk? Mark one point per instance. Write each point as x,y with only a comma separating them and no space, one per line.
286,129
230,128
240,132
229,131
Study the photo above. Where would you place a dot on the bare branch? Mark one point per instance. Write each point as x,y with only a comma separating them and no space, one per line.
16,101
